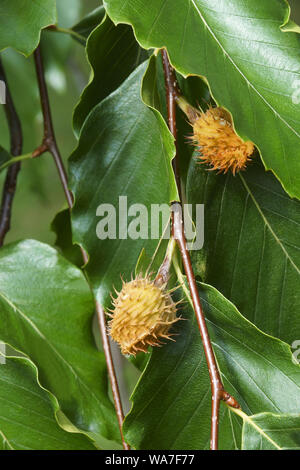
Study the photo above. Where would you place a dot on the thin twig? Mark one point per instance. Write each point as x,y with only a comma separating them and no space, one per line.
69,31
111,370
49,141
16,142
163,273
217,388
49,144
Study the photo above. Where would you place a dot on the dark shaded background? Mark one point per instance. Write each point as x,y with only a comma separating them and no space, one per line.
39,195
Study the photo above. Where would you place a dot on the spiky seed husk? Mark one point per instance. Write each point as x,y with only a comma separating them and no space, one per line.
218,143
143,314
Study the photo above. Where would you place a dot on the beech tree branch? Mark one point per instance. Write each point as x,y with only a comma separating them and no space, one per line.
172,94
49,144
217,388
16,142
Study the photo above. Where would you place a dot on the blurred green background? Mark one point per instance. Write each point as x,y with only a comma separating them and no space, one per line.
39,195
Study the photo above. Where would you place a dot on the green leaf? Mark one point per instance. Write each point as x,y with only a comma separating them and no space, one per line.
22,21
251,65
195,91
113,54
27,412
89,22
257,370
125,149
251,251
291,26
46,312
269,431
61,226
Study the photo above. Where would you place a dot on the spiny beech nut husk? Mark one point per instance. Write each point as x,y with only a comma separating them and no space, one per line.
218,143
143,314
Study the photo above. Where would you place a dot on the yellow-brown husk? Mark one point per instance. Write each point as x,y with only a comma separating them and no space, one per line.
143,314
218,143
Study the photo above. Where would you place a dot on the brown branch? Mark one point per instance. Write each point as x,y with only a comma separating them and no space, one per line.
49,141
49,144
172,93
217,388
16,142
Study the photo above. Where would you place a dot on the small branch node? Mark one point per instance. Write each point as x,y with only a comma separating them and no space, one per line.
229,400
